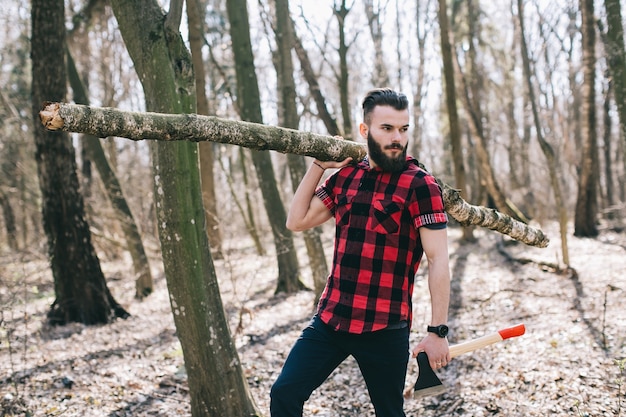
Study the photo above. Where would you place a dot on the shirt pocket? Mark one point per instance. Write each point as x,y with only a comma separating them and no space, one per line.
386,215
342,210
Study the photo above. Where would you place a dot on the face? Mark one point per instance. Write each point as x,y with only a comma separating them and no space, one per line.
387,137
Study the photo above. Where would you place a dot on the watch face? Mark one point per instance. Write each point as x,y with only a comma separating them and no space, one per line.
441,330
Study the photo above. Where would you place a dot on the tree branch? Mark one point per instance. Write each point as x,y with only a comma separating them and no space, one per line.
105,121
174,16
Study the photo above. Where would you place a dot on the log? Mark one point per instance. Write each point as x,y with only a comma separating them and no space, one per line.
103,122
106,121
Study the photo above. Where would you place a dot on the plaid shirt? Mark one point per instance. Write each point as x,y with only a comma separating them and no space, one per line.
377,243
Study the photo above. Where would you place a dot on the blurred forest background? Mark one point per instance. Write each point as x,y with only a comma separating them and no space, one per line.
519,104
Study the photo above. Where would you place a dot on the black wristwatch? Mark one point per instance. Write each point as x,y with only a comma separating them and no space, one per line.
441,330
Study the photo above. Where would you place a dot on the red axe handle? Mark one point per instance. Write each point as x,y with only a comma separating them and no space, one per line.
489,339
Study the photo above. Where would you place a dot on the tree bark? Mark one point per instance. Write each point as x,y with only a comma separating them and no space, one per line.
470,92
290,118
419,87
587,199
608,146
195,16
95,153
9,221
181,127
79,285
615,49
341,12
13,181
453,116
314,88
546,148
616,59
235,189
249,101
380,75
217,385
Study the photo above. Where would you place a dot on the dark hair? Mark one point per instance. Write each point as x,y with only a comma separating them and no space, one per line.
383,97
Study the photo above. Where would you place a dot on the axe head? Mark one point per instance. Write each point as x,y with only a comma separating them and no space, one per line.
427,382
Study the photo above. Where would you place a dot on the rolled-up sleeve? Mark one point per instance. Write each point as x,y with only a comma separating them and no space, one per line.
430,208
322,193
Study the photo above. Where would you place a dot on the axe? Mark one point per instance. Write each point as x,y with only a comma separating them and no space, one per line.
427,382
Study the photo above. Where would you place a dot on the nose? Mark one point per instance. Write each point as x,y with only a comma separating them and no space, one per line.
397,136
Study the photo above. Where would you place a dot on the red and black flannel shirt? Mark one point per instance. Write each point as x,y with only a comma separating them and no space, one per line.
377,243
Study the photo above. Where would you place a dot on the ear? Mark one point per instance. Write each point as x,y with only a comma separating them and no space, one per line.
363,130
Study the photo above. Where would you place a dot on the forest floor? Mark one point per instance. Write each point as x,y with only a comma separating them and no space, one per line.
570,362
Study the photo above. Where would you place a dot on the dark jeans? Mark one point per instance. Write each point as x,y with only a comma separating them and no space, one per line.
382,357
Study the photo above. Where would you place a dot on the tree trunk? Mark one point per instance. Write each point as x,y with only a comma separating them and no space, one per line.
546,148
95,153
11,166
217,386
470,91
616,58
608,147
195,16
380,75
249,103
518,157
453,117
169,127
613,40
573,130
341,12
314,88
297,165
9,221
587,200
79,285
419,90
248,212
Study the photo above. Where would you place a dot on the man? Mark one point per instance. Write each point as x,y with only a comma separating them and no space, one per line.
388,212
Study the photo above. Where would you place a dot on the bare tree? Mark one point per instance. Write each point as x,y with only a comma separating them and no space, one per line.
195,17
471,92
609,197
453,117
518,147
546,148
341,12
9,220
587,200
249,102
616,57
79,285
283,30
217,384
380,75
18,170
614,49
92,147
314,88
419,85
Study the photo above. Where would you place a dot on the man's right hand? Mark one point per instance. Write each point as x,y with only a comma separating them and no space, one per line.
332,164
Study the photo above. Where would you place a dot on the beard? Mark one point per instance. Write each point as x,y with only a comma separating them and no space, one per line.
385,162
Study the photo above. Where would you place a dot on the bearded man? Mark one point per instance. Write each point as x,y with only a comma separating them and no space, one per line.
388,213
